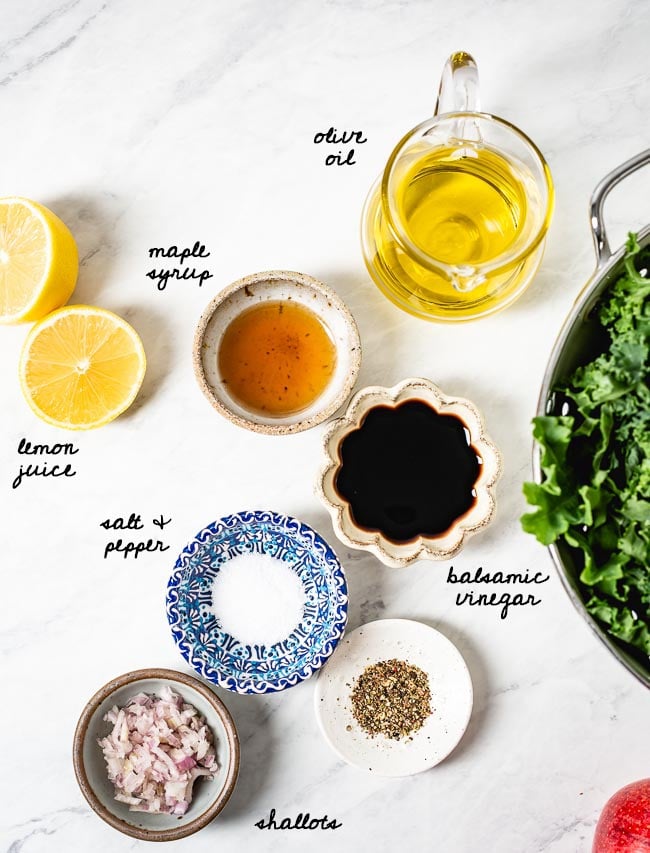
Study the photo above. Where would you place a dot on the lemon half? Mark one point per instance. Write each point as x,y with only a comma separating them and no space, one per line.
81,367
39,262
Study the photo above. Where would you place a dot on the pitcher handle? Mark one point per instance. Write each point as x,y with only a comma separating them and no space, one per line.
458,92
598,230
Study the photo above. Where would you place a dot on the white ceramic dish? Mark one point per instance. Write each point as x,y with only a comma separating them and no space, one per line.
275,286
451,692
445,545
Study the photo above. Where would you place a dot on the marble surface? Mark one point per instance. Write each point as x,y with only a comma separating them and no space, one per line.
152,124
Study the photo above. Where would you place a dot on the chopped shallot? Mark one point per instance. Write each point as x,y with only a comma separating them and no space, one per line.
157,749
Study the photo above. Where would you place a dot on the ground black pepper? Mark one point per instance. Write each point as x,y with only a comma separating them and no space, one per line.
391,698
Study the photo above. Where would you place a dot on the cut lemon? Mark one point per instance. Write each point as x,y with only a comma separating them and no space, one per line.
38,261
81,367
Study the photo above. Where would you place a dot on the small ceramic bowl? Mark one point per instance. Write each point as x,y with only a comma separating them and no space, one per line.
442,546
226,660
210,796
277,285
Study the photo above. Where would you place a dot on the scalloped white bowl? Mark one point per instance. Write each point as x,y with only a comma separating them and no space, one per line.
440,547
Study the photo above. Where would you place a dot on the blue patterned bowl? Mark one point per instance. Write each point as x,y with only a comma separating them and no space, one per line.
220,657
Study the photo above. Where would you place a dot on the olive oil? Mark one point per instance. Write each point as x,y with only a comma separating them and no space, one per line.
448,235
408,471
276,358
461,206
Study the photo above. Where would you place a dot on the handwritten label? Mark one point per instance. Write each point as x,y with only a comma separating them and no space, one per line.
302,821
46,468
177,269
332,136
504,600
133,547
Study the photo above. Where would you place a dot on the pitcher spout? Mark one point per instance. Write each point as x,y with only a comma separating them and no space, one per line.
466,279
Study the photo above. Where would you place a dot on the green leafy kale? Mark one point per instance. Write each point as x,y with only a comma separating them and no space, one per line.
595,461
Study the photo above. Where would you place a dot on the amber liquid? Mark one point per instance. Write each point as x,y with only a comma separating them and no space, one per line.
276,358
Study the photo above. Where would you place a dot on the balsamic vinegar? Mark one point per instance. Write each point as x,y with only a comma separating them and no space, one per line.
408,471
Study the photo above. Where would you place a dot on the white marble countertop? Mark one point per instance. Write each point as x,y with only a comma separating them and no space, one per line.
153,124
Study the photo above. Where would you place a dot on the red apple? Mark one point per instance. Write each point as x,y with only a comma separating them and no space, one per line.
624,825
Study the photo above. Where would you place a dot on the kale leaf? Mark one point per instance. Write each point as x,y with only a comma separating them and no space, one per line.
595,462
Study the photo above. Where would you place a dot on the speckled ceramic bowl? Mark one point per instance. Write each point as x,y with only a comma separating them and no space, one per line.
444,545
275,286
210,796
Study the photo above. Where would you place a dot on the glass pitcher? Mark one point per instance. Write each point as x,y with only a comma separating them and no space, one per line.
455,227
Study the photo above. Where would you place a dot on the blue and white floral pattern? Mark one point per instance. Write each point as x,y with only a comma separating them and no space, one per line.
221,658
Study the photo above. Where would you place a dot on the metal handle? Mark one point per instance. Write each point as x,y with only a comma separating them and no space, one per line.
458,92
598,231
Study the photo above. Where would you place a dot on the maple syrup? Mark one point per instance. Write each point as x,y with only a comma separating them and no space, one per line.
276,358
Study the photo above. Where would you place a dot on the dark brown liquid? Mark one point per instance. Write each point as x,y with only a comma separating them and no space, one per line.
408,471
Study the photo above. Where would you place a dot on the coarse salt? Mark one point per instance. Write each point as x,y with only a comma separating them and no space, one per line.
258,599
